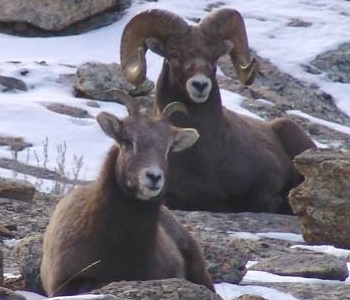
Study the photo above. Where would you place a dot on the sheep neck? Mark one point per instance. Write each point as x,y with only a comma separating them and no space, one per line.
123,217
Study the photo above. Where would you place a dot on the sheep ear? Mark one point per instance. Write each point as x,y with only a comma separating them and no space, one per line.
110,124
156,46
184,138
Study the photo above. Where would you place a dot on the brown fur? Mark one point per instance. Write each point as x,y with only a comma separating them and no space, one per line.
239,163
104,226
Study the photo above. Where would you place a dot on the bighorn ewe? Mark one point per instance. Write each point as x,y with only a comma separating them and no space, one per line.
239,163
117,228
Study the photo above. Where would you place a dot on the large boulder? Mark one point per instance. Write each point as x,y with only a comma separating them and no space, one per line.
96,80
16,189
93,80
304,264
57,17
167,289
322,201
28,254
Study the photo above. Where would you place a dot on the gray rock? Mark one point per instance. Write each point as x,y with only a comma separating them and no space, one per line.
93,80
335,63
1,268
306,291
67,110
304,264
7,294
28,256
221,247
215,223
284,91
45,18
16,144
6,232
16,189
168,289
225,258
86,297
249,297
322,201
10,84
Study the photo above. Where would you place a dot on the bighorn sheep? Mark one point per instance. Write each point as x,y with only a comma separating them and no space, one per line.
117,228
239,163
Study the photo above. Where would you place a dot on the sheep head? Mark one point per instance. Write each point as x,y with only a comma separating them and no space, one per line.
143,145
191,52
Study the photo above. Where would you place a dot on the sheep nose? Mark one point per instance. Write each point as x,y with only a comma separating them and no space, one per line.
200,86
154,178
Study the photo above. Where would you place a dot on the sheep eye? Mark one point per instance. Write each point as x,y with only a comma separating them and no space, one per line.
127,142
174,55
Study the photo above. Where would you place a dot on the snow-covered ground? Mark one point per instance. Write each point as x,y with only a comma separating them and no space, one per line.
23,114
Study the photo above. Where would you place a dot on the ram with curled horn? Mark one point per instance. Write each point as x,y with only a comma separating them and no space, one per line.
117,228
240,163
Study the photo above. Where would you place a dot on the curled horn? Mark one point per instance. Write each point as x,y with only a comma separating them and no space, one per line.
173,107
154,23
126,99
228,24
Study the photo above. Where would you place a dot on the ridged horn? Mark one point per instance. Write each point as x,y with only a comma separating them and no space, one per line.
228,24
154,23
126,99
173,107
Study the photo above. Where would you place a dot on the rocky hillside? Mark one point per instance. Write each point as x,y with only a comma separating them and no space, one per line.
229,241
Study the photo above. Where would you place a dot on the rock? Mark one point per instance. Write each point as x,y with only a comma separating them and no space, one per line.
225,259
275,93
335,63
7,294
167,289
10,84
322,201
87,297
93,80
28,255
304,264
215,229
71,111
16,189
1,268
227,223
16,144
307,291
145,104
57,17
5,232
284,92
249,297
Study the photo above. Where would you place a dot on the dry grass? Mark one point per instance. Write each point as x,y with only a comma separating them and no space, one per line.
63,179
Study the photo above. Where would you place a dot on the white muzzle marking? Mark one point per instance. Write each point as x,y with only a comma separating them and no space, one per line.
199,87
151,182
